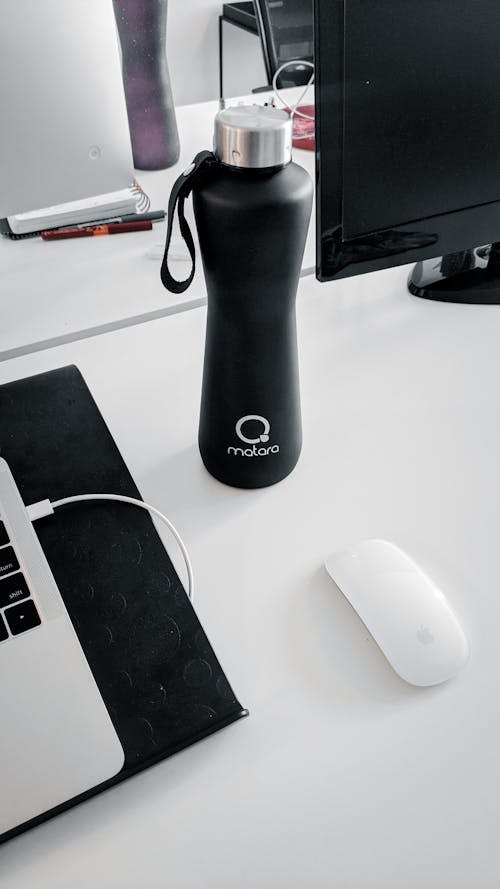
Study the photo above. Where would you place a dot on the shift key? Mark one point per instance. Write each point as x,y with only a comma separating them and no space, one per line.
13,589
8,561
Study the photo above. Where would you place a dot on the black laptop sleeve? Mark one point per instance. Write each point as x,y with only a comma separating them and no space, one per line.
156,670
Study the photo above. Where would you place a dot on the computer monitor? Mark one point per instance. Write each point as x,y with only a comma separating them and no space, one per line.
408,142
63,122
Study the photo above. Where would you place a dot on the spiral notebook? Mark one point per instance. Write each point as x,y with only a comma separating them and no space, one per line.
100,208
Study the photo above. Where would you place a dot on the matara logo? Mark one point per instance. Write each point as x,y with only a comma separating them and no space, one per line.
261,439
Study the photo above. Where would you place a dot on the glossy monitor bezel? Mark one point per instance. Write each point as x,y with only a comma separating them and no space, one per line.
426,238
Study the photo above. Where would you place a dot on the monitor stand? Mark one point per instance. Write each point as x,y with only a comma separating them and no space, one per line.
470,276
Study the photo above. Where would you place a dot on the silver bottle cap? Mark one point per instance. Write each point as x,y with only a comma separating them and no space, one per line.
253,137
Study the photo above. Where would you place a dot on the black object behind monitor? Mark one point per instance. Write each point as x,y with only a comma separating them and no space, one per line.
286,30
408,142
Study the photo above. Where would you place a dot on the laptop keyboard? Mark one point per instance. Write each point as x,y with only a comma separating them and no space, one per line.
18,612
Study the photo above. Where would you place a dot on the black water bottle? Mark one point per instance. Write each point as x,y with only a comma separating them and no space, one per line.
252,209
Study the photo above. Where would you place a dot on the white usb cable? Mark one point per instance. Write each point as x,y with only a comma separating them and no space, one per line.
46,508
294,109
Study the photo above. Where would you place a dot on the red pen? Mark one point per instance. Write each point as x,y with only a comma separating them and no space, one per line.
114,228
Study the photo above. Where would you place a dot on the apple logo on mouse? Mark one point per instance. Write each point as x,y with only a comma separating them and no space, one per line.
424,635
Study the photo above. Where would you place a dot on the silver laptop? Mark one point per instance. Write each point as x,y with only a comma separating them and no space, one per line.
57,739
63,122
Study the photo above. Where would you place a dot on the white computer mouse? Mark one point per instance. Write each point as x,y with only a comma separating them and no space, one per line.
404,610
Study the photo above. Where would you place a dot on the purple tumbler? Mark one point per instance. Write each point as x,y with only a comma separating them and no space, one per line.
142,26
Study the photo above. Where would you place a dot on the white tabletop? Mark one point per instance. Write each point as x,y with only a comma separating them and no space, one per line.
343,775
55,292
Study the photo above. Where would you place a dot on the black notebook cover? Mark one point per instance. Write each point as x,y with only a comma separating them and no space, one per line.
158,675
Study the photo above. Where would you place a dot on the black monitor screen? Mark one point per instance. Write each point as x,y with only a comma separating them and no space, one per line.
408,101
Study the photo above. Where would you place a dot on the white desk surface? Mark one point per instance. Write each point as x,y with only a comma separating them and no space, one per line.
343,775
52,293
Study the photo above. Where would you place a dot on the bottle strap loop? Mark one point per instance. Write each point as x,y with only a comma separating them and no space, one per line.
181,190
